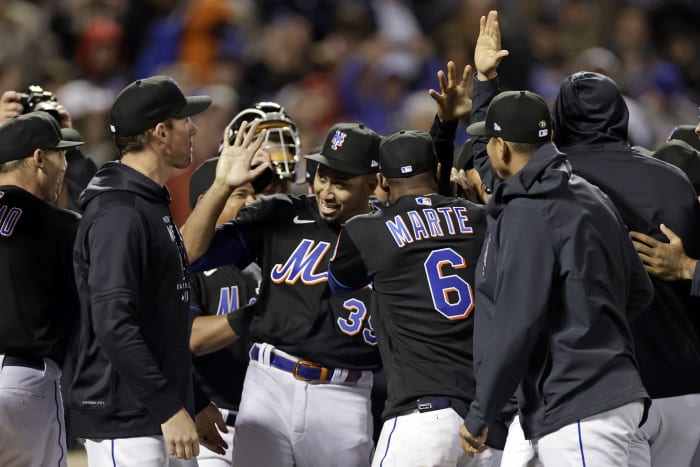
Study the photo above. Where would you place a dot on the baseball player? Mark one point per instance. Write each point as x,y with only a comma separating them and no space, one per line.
40,301
424,331
221,357
563,339
306,396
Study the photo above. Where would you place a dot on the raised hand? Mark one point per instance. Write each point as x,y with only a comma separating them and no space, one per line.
233,168
453,101
488,53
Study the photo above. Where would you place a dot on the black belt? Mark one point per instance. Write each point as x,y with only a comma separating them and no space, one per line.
428,404
36,363
231,417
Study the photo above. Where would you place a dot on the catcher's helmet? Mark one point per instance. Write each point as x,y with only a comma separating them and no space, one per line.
282,141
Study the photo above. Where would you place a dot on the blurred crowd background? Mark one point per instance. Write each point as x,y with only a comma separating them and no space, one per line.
326,61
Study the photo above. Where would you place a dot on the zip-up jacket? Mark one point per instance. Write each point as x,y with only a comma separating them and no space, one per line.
556,283
132,361
590,119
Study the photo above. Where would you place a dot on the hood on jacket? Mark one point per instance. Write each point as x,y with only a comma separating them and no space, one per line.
115,176
589,109
546,171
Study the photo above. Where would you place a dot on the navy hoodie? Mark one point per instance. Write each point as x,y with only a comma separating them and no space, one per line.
590,126
132,361
556,283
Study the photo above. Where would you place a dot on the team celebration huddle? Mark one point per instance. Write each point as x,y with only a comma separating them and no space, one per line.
530,302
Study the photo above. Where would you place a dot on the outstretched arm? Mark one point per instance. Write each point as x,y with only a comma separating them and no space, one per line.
487,56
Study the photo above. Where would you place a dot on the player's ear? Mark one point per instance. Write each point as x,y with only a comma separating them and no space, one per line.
38,157
503,151
372,182
383,184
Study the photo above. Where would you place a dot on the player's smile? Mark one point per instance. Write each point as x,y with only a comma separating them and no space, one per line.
328,208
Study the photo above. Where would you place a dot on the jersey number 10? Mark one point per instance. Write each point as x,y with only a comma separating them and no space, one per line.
8,220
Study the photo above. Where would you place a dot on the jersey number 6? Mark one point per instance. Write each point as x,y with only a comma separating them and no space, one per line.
452,296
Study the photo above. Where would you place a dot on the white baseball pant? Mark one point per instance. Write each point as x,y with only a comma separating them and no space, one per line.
600,440
140,451
285,422
32,427
427,439
519,451
671,434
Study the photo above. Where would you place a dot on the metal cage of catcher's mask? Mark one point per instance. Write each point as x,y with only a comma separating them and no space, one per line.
282,141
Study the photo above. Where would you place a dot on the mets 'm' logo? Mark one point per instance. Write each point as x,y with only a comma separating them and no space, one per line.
338,139
302,264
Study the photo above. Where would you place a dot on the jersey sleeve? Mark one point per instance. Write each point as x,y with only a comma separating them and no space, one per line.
503,347
239,242
117,248
484,92
346,271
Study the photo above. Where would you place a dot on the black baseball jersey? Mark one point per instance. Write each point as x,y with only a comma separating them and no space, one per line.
420,255
222,291
296,311
40,302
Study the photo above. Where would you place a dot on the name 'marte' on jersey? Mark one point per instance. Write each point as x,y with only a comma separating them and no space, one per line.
428,222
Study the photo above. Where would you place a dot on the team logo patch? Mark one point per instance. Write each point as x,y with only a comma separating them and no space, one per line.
423,201
406,169
338,140
542,124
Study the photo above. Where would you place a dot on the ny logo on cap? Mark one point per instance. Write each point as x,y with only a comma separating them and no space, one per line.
338,139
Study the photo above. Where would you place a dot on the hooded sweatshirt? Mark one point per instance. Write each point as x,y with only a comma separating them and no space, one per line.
590,126
556,282
132,362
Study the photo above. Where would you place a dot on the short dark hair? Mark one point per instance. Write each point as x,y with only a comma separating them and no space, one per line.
13,165
526,148
135,143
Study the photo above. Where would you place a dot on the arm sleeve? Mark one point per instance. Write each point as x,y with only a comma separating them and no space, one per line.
695,284
443,134
240,241
519,309
346,271
641,291
118,252
227,247
239,319
484,92
201,400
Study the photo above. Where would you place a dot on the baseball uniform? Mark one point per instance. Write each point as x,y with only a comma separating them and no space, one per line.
222,291
420,256
35,246
305,398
